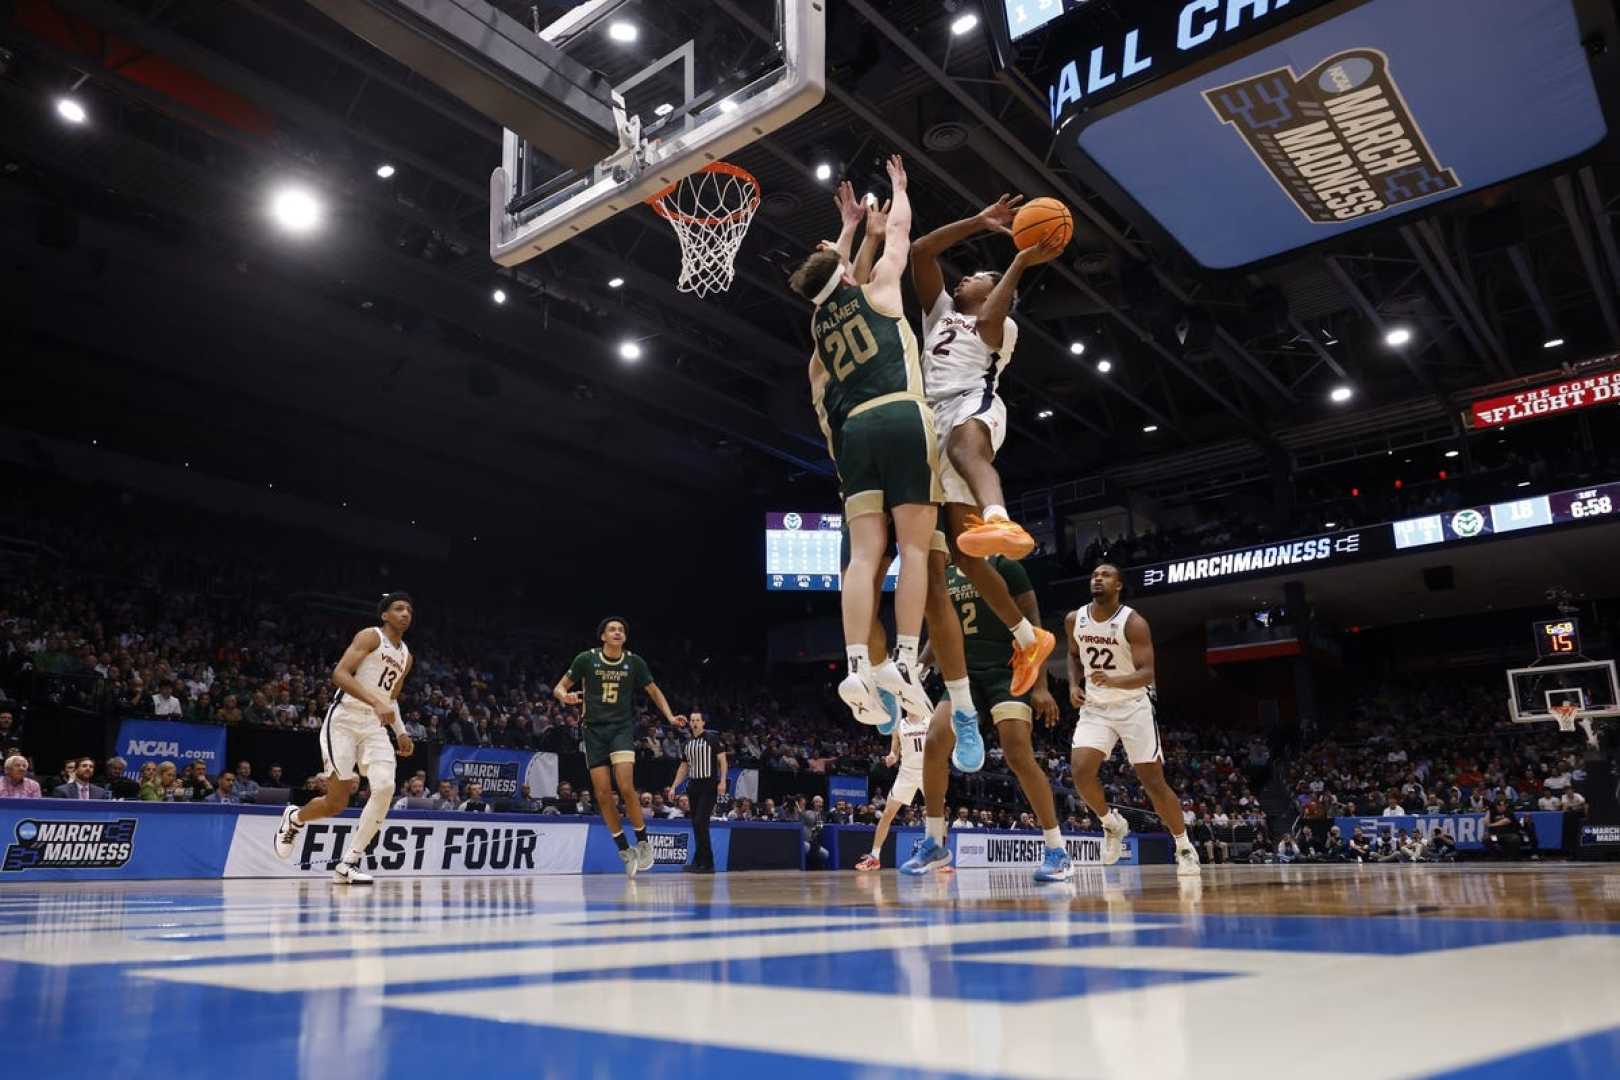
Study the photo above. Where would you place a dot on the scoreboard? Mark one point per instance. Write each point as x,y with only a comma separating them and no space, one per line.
1558,637
804,553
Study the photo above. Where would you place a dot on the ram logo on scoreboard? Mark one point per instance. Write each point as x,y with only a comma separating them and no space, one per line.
1341,141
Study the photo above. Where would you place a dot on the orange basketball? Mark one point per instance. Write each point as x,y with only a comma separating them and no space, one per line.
1038,219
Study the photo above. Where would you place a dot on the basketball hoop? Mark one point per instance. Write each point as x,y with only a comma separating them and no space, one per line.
1565,715
710,211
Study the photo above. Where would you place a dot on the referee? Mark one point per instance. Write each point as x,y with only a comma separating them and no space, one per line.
703,763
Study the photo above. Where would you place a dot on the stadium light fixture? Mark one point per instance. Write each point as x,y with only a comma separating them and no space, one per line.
1330,524
499,296
1453,453
663,108
615,282
71,110
629,350
1148,429
1397,336
1105,366
1078,348
623,32
823,172
964,23
1552,343
1341,394
1044,414
296,209
1524,483
385,171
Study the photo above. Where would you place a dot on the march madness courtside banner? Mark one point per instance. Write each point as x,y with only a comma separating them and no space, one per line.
502,772
1468,830
157,741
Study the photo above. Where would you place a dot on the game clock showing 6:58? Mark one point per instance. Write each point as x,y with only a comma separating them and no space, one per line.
1558,637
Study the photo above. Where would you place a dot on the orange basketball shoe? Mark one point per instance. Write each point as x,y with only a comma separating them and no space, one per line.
982,539
1027,663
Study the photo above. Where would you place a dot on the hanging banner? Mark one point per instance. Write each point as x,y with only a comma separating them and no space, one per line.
157,741
1553,399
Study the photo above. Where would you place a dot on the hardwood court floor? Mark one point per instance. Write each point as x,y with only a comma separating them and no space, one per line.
1365,972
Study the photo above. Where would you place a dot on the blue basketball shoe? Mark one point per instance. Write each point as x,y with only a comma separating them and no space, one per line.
891,705
1056,866
928,856
968,756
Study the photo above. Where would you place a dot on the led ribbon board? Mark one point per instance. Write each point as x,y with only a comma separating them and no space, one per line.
1243,130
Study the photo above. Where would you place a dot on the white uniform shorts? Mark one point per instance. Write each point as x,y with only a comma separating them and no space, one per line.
352,739
1131,722
906,785
954,412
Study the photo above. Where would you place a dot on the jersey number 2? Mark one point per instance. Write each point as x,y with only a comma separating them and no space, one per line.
854,340
944,346
1100,659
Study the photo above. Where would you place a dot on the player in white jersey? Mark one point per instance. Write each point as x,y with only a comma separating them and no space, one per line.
1111,683
968,340
906,748
369,679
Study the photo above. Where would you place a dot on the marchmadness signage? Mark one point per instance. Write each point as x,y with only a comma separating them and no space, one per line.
501,772
1189,117
1554,399
1309,552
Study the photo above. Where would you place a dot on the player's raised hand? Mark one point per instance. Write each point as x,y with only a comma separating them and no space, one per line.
1077,695
998,216
678,721
1045,251
849,207
897,173
1045,706
877,218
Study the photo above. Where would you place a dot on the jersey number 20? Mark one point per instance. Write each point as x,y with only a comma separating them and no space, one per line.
854,340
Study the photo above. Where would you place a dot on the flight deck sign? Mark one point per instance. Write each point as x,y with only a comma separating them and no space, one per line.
1340,141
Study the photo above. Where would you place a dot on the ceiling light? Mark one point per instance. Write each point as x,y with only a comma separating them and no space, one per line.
499,296
1330,524
1148,429
1341,394
629,350
1552,343
385,171
663,108
964,23
1044,414
619,30
1397,336
615,282
1453,453
296,209
70,110
824,171
1524,483
727,105
1105,366
1078,348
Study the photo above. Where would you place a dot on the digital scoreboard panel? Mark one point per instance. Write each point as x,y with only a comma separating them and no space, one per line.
1307,119
1533,512
804,553
1558,637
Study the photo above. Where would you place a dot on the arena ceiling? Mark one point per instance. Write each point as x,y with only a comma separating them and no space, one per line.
138,241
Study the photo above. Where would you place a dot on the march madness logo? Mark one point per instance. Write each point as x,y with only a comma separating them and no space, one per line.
1341,141
500,778
71,845
669,849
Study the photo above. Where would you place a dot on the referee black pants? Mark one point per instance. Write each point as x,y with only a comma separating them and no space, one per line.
701,794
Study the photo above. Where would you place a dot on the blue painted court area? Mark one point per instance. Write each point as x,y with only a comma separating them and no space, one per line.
1128,973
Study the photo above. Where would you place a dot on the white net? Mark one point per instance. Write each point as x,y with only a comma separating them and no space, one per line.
710,212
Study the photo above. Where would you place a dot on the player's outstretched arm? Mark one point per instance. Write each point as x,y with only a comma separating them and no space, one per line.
877,221
925,253
662,702
992,321
850,214
885,285
1077,678
364,644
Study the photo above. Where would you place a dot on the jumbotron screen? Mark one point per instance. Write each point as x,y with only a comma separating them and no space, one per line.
803,553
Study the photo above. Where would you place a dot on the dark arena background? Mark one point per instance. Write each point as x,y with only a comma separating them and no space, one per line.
347,325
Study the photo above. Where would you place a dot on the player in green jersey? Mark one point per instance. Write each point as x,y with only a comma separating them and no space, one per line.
608,678
987,640
866,384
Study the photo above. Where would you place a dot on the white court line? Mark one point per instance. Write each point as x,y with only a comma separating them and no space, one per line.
1181,1031
561,930
1162,958
398,968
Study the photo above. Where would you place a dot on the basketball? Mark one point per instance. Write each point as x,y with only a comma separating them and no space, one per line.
1038,219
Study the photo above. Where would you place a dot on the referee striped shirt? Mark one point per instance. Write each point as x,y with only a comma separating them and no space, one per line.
700,752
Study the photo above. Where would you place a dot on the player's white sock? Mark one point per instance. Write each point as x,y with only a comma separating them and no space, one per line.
859,659
961,692
1054,838
1182,843
995,513
1024,634
905,649
370,821
877,853
1114,818
936,829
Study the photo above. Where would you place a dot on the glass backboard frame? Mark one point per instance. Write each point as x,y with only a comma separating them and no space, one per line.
1538,701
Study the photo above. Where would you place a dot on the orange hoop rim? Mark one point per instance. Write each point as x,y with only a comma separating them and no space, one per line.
726,168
